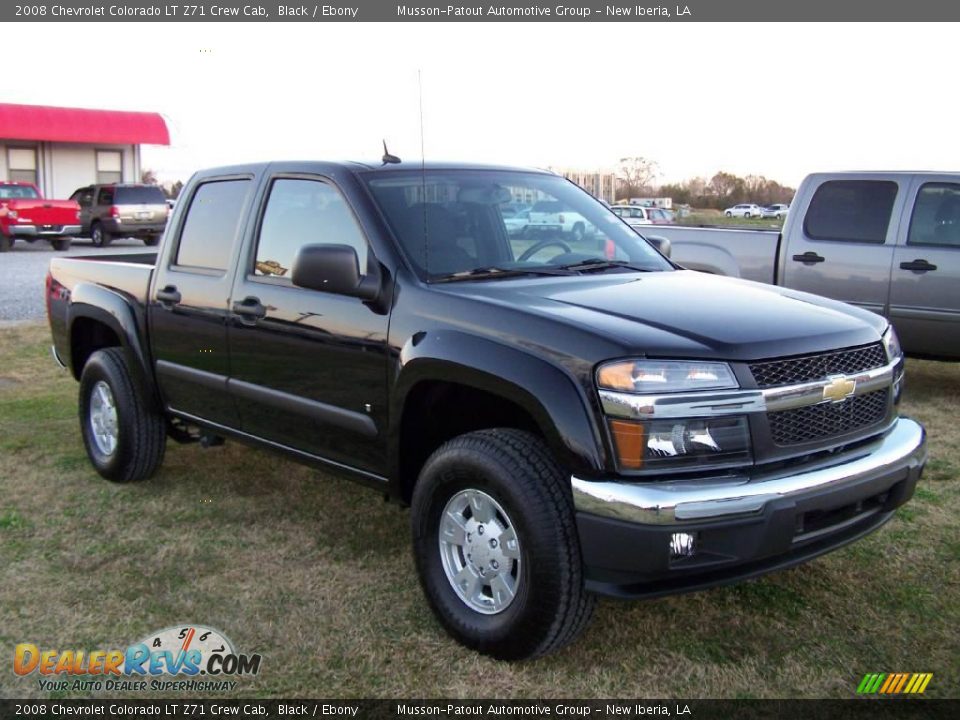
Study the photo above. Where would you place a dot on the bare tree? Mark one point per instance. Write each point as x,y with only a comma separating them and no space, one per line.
639,176
148,177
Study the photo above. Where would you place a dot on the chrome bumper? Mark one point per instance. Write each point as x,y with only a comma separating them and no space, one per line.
677,502
34,231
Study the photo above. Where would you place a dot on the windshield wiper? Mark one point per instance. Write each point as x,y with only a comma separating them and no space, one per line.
600,264
499,272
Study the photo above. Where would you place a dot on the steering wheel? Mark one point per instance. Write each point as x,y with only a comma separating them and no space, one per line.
537,247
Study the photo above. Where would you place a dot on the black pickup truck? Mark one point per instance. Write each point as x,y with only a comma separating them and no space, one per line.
566,414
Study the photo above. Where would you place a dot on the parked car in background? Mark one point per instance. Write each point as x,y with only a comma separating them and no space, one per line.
516,221
24,214
122,210
633,214
744,210
659,216
888,242
562,421
777,211
553,216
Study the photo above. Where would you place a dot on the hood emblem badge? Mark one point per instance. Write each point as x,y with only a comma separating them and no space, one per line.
839,388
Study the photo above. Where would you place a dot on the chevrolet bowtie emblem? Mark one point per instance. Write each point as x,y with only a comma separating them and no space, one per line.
839,388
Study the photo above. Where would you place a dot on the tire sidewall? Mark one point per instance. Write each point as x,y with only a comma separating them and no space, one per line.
441,479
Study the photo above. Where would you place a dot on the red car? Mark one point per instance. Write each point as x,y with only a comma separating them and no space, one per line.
25,214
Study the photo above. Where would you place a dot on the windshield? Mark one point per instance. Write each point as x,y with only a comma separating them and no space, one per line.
452,222
8,192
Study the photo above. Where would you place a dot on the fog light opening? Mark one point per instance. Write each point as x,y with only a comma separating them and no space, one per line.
682,545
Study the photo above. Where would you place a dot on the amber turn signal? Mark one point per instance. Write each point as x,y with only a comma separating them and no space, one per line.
628,439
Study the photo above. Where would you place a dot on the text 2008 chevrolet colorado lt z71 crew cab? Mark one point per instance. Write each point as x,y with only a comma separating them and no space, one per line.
565,416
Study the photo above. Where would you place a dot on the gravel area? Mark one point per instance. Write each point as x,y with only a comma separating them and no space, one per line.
24,267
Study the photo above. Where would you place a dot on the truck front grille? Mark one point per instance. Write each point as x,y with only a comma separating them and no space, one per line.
817,367
818,422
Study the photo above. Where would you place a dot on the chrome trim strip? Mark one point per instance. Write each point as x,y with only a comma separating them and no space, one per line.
56,357
677,502
736,402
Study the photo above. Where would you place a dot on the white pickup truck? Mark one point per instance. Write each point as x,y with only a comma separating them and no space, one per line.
886,241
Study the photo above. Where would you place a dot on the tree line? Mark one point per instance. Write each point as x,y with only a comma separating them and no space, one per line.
638,178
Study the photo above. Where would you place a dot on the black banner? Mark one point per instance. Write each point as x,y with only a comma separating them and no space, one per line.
855,709
738,11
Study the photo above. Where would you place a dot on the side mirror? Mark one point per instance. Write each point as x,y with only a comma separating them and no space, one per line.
333,269
660,243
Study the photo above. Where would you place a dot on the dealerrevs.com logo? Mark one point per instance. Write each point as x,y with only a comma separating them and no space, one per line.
183,657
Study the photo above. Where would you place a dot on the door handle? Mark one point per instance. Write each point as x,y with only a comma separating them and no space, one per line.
809,258
919,265
250,309
169,295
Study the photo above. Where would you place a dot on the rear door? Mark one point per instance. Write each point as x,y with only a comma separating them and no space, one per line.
189,304
843,246
308,368
925,278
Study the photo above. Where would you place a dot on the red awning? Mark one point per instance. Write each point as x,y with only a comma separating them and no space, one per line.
57,124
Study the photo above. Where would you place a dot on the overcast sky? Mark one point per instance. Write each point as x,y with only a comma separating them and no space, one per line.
779,100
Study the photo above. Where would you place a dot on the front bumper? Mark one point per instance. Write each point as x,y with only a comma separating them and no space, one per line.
742,526
43,231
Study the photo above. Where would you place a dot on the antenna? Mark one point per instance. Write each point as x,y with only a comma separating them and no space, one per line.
387,158
423,179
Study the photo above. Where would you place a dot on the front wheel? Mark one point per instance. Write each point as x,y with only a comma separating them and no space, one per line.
151,240
728,214
6,242
496,545
123,431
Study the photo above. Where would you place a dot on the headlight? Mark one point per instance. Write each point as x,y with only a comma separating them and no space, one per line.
664,376
892,343
701,443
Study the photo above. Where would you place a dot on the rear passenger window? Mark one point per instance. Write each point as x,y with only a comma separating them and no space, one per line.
211,225
304,212
105,197
936,216
851,211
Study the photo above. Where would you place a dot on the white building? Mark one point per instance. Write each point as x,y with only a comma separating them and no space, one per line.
62,149
602,184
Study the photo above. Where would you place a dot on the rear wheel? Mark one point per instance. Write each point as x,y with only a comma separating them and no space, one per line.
124,433
60,244
99,236
496,545
5,242
151,240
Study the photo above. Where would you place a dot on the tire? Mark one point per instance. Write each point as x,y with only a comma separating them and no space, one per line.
151,240
61,244
746,216
6,242
728,214
98,236
139,436
530,494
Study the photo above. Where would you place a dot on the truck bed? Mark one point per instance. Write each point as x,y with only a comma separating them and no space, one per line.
744,253
129,274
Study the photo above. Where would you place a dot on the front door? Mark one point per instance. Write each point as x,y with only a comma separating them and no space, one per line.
925,288
308,367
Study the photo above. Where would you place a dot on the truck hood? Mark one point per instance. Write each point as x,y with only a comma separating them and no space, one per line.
687,314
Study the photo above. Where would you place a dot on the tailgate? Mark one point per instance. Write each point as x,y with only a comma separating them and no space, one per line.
45,212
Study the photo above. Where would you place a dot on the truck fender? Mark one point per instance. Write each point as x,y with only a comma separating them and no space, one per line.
551,396
706,258
113,309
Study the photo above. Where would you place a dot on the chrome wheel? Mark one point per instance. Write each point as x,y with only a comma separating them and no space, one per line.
103,418
480,551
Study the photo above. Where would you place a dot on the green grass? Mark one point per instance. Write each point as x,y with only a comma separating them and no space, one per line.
316,575
717,218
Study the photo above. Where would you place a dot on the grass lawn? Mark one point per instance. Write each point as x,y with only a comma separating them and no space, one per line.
316,575
718,219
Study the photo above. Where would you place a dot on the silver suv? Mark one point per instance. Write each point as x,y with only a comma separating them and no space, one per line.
115,210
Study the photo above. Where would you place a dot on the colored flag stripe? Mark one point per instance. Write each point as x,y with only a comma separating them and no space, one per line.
903,679
862,687
888,683
910,685
878,678
926,681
